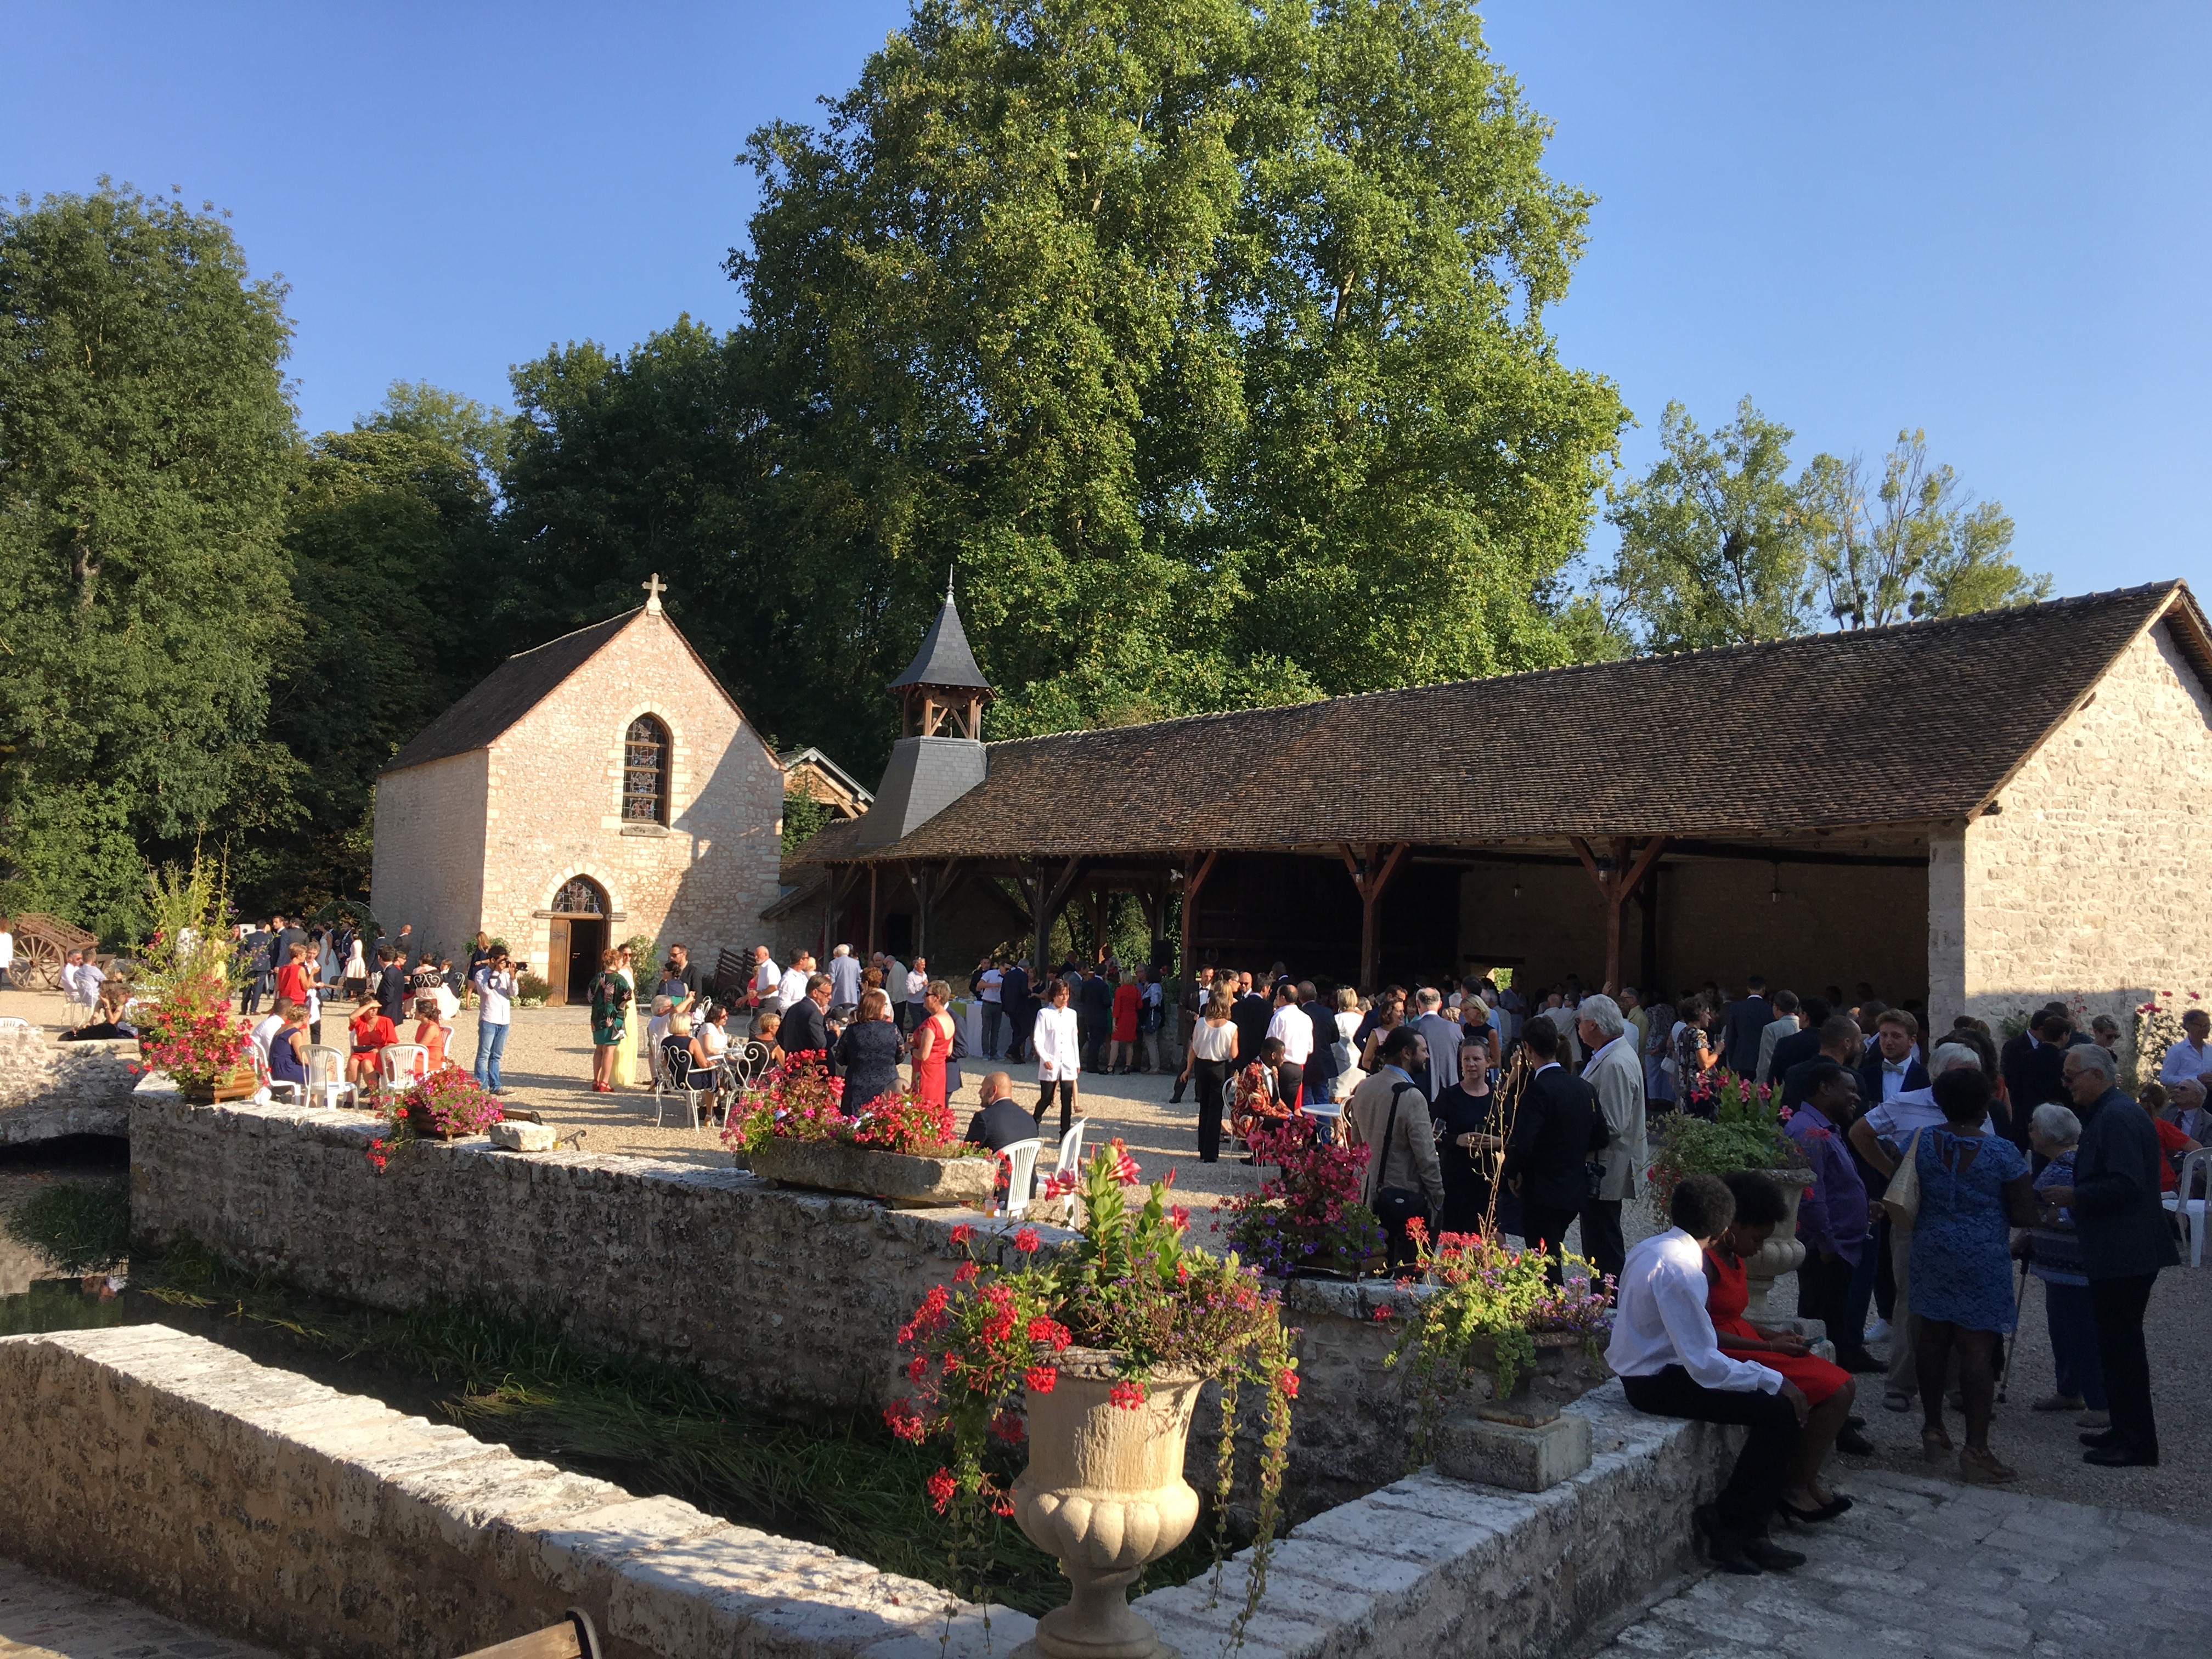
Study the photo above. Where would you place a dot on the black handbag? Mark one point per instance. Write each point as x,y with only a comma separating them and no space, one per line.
1395,1205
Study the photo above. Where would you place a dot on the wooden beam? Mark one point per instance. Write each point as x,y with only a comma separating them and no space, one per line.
1049,905
1379,867
871,910
1614,887
1195,871
988,886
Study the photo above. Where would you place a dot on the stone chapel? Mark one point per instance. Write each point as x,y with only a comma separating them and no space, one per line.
601,786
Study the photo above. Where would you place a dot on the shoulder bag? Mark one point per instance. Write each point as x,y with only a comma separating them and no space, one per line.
1395,1205
1902,1196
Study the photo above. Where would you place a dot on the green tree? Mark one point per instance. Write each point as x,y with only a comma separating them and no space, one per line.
1712,538
1922,547
145,446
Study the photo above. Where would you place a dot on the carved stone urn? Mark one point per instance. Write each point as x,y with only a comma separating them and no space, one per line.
1781,1254
1104,1493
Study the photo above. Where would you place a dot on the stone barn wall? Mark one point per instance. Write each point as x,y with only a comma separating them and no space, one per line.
2093,879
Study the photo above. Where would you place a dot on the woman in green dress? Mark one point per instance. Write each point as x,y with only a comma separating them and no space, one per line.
611,1001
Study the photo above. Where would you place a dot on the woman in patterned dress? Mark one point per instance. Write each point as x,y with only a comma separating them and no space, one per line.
611,1001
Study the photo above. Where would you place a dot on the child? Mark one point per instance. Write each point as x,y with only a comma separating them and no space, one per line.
430,1032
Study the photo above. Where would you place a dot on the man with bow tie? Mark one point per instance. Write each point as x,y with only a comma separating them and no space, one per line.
1891,1068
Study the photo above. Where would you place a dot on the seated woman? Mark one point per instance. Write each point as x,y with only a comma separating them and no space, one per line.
1759,1212
430,1032
371,1032
766,1029
1258,1103
676,1045
287,1050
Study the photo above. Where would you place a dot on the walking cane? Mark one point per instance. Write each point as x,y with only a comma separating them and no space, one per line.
2019,1300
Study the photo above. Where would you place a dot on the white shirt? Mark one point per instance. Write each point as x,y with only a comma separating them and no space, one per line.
2184,1060
448,1004
1661,1319
1058,1043
990,980
1896,1118
768,978
790,989
266,1030
495,989
1294,1030
1893,1079
7,949
916,983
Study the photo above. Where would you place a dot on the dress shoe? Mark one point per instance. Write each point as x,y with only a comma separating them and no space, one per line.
2057,1402
1725,1547
1771,1557
2093,1420
2119,1457
1852,1443
1858,1360
2103,1437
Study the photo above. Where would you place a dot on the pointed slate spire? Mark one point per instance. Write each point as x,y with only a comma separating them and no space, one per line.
945,657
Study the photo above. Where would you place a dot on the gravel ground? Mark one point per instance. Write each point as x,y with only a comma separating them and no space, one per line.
547,1068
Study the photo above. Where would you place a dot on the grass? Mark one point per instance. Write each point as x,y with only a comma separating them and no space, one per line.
84,1227
836,1479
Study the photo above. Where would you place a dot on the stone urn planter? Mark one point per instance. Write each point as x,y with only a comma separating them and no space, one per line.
1563,1371
1104,1494
897,1178
1781,1254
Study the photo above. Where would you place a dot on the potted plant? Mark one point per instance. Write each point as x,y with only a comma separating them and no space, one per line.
447,1105
1094,1355
1744,1132
1306,1221
187,1029
791,1127
1493,1311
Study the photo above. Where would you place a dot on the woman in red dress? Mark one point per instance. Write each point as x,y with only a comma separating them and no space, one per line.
932,1041
1759,1210
1123,1052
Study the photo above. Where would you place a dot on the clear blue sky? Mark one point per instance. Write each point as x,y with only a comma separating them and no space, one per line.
1987,220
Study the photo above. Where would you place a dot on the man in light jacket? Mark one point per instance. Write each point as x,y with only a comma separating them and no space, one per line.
1615,1070
1408,1163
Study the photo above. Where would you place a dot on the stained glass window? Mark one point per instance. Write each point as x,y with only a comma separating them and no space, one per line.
645,772
580,896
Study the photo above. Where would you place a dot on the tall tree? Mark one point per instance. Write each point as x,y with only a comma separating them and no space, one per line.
145,445
1712,538
1921,547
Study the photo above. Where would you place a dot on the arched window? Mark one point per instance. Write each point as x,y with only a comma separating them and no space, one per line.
580,896
645,772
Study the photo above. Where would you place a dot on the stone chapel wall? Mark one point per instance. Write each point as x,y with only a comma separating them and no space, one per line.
2094,878
429,853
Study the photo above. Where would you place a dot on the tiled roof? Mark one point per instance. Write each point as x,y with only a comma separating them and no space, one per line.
510,691
1907,724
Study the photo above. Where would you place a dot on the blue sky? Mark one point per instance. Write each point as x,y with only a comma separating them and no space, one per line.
1990,221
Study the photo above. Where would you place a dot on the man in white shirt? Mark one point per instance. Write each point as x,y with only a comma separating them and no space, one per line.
267,1028
7,955
2192,1057
990,986
844,983
1291,1026
917,987
895,988
792,985
767,981
1670,1364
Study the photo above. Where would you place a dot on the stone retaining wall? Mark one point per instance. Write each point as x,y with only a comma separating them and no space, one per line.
265,1506
49,1088
786,1298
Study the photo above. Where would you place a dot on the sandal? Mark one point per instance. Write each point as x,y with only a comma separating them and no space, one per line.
1934,1443
1982,1469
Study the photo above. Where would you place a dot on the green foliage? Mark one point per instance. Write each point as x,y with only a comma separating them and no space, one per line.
145,445
83,1226
802,816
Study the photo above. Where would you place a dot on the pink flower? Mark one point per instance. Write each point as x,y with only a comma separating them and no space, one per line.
1287,1381
1381,1315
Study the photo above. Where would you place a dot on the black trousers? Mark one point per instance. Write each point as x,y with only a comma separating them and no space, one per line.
1209,1077
2119,1304
1067,1087
1290,1082
1544,1228
1824,1292
1755,1484
1601,1240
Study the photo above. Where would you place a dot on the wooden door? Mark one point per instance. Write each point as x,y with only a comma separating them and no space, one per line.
554,968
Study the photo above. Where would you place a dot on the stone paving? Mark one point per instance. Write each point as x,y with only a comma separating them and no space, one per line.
42,1618
1929,1569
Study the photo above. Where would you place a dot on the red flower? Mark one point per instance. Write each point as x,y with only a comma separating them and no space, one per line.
1416,1230
1009,1427
963,1273
906,1422
1287,1381
917,1368
1178,1217
1127,1396
1027,1241
1039,1379
1046,1330
1381,1315
941,1488
963,1233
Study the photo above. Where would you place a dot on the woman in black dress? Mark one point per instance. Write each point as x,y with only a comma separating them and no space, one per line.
869,1053
1466,1126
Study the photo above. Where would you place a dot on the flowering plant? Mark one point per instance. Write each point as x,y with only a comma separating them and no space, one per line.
1487,1291
184,1013
1308,1215
1744,1132
802,1100
448,1102
1130,1290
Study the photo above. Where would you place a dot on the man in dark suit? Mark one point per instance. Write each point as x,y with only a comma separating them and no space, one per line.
1556,1127
1094,1015
392,985
1800,1045
2033,1064
1746,1020
1320,1069
1249,1013
2125,1239
805,1028
1000,1122
1014,998
255,966
1838,1038
1889,1069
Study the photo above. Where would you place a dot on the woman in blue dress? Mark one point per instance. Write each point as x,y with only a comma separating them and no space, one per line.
1974,1188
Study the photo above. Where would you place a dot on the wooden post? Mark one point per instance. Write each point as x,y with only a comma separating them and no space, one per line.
1371,869
1195,871
1647,898
871,910
1048,904
1614,885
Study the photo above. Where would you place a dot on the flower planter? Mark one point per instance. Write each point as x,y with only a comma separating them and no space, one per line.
896,1178
1781,1254
1561,1372
237,1085
1104,1494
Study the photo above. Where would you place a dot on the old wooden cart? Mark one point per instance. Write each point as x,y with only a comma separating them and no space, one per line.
42,946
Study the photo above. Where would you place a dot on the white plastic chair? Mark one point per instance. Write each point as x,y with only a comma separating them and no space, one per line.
1071,1147
2198,1166
401,1065
1021,1172
327,1083
267,1090
9,1023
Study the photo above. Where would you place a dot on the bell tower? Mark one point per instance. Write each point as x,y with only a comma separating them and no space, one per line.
939,756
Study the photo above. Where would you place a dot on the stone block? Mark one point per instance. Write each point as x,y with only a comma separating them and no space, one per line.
523,1137
892,1177
1519,1458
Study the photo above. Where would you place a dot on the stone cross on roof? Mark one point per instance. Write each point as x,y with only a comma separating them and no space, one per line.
654,590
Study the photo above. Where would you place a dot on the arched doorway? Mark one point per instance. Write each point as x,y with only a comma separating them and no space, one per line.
579,933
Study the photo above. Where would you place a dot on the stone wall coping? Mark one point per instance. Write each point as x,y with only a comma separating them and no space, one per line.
376,1504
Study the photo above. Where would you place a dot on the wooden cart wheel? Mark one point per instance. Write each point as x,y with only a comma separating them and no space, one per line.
44,971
